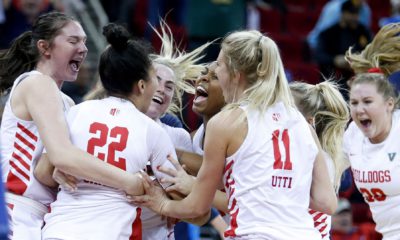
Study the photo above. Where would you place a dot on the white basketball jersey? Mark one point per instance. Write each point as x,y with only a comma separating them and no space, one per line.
154,226
21,148
376,173
113,130
198,140
268,180
180,137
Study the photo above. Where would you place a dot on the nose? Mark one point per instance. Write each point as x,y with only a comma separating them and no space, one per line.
203,78
83,48
359,108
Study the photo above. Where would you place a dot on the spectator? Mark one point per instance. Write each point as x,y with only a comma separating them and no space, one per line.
344,229
331,14
334,42
395,17
208,20
20,15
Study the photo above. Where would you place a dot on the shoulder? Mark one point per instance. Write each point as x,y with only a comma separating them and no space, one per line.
226,119
68,99
227,124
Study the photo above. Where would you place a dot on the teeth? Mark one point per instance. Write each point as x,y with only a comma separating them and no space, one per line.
158,100
201,89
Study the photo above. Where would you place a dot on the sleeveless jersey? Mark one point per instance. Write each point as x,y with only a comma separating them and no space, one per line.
180,137
198,140
268,179
154,227
376,173
21,148
113,130
323,221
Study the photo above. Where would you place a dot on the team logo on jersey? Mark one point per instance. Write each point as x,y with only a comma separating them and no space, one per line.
276,116
114,111
391,156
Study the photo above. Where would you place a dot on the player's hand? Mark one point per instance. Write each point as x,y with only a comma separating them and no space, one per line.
179,180
66,181
154,198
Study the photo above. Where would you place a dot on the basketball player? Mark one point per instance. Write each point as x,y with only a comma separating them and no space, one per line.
260,146
116,131
325,109
371,144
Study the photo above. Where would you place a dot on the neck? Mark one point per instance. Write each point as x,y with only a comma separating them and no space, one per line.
383,135
44,69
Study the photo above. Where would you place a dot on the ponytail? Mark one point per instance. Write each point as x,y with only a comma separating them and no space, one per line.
21,57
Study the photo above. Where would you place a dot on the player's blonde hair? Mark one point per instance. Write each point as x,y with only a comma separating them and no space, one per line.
326,105
383,86
184,65
257,57
383,52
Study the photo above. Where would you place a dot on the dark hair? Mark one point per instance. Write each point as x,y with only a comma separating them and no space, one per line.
349,6
23,54
124,62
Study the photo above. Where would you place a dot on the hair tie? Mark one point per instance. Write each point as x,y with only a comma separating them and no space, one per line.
374,70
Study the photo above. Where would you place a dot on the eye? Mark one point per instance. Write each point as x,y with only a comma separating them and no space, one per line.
353,103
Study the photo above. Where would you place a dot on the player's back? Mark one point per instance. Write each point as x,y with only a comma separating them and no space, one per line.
268,179
113,130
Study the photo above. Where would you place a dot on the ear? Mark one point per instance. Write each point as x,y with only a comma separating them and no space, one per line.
237,77
43,47
141,86
390,104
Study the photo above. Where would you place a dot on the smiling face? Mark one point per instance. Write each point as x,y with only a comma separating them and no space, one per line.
208,99
370,111
66,53
164,93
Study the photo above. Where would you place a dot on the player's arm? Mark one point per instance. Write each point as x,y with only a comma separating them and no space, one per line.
44,171
198,202
323,197
160,148
200,199
192,161
41,98
179,181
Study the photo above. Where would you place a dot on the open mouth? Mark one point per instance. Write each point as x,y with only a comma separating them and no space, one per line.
75,65
365,123
201,92
158,100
